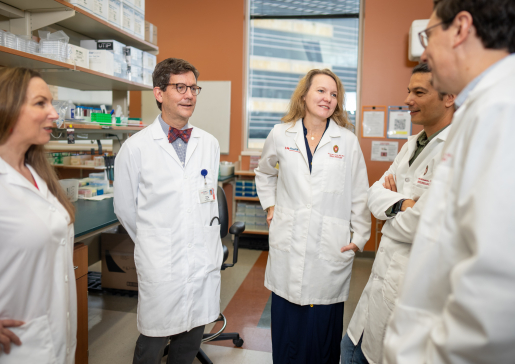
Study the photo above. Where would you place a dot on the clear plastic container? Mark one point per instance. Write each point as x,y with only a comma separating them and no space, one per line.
149,61
134,56
71,187
250,210
97,175
9,40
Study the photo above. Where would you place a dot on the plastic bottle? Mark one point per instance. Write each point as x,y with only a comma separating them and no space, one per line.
70,113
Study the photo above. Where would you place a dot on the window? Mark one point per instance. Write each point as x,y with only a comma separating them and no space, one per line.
287,38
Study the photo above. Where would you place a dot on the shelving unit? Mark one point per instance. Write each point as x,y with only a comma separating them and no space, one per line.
74,18
77,167
67,75
239,198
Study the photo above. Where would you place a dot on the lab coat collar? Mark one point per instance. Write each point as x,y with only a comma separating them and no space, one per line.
495,75
162,139
15,178
332,132
299,139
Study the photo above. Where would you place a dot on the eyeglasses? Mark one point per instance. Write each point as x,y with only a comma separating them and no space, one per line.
181,88
423,36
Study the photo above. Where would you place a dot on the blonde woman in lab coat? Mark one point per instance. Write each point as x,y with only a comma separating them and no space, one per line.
314,200
38,306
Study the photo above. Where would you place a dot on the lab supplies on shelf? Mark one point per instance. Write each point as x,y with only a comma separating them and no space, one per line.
79,55
133,56
246,188
252,215
139,24
149,61
114,12
100,8
150,33
110,45
139,5
101,61
71,188
127,18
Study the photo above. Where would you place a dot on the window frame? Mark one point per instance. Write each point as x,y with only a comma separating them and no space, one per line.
246,76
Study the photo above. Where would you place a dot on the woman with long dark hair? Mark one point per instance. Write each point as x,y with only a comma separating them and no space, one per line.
38,308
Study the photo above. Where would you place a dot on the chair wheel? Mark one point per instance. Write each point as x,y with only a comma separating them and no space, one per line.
238,342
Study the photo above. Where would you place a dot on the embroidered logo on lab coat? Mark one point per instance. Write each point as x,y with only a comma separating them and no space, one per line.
336,149
291,149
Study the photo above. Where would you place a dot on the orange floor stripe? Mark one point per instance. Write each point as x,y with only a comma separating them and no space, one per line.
245,309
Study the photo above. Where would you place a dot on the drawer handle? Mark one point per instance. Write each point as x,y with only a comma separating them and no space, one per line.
75,268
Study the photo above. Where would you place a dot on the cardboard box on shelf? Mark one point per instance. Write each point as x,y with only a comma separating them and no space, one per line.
79,55
101,61
118,267
150,33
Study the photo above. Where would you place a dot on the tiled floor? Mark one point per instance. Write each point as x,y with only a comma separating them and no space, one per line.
244,302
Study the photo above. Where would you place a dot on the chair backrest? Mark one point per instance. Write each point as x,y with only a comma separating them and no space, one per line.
223,212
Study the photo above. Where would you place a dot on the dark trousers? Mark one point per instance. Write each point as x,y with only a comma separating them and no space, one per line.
352,354
306,334
183,348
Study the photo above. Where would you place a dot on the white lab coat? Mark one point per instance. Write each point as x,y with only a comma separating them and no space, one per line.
458,299
37,283
178,254
377,300
314,213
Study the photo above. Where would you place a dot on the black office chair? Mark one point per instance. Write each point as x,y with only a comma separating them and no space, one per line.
236,229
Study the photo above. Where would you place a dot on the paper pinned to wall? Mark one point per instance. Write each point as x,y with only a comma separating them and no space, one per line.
384,151
373,124
399,124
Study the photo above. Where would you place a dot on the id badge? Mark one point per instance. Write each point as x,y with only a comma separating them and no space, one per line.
206,194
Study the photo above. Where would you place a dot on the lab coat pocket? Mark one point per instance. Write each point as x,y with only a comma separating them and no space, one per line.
281,229
335,235
393,279
153,255
213,255
36,344
334,173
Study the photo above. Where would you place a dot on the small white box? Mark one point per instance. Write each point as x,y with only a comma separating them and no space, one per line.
101,61
147,77
140,5
120,66
85,4
139,24
79,55
136,74
134,56
114,12
149,61
128,18
110,45
100,8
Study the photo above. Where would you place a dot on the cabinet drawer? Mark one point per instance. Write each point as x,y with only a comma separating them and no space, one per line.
80,260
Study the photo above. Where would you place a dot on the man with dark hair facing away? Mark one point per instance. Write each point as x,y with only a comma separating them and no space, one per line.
457,303
164,196
398,197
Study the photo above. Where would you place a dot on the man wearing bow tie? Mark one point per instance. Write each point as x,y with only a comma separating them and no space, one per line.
164,196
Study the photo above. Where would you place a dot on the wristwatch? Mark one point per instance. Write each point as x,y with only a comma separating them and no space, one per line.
397,206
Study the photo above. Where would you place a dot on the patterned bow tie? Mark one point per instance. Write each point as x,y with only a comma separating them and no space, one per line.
173,134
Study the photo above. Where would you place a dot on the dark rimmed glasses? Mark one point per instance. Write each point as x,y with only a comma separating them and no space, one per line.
182,88
423,36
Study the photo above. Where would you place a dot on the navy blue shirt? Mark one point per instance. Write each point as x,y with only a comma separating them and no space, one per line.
308,150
